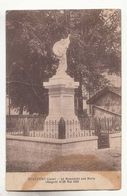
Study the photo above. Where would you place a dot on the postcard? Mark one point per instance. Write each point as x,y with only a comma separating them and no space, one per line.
63,99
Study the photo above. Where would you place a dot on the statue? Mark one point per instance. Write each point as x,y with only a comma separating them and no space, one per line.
60,49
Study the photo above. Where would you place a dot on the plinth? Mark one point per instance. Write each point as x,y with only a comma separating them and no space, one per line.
61,104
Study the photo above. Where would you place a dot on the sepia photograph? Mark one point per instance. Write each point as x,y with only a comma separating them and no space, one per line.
63,94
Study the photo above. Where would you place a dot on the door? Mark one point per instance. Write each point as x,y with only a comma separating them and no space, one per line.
61,129
103,140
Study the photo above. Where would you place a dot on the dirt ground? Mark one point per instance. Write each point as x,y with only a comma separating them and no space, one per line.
102,160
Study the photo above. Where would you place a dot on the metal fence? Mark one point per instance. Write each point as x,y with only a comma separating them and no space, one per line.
109,125
87,123
31,125
23,124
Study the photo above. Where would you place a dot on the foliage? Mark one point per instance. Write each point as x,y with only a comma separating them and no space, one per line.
94,48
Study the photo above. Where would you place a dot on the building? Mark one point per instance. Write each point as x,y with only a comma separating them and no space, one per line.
106,103
11,110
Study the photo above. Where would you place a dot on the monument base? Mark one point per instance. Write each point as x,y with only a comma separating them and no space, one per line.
61,105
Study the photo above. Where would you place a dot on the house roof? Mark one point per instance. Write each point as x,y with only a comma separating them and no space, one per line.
115,90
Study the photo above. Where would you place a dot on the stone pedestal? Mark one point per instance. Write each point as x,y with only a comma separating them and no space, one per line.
61,104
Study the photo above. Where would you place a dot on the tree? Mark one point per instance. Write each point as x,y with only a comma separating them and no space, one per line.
94,48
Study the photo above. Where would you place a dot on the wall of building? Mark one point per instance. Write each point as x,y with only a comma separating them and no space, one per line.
13,111
110,101
102,114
